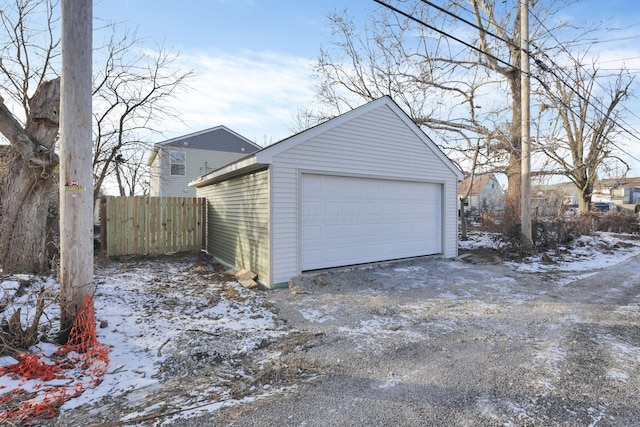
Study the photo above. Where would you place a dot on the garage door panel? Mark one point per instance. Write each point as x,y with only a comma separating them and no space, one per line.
346,220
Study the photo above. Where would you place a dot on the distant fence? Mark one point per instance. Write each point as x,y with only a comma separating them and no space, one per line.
151,225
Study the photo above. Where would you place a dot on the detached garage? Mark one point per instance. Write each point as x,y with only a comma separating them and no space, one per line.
366,186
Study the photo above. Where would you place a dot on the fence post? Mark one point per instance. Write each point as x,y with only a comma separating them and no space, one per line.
103,223
203,223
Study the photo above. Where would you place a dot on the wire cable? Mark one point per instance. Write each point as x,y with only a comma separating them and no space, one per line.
538,62
443,33
575,82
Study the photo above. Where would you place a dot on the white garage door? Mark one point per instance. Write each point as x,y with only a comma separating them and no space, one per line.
349,220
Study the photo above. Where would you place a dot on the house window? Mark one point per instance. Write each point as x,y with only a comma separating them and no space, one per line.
178,162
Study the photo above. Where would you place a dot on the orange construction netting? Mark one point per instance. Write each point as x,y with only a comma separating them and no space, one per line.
81,357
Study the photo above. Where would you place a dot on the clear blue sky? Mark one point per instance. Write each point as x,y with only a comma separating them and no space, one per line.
253,58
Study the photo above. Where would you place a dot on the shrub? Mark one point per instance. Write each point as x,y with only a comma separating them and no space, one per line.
555,233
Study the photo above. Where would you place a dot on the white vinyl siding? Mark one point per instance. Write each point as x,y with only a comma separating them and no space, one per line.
238,221
155,174
198,163
377,144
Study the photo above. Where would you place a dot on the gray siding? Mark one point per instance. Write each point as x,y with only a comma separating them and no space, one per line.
238,221
375,144
217,139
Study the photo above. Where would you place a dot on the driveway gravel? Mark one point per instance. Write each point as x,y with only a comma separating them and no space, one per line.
427,342
445,343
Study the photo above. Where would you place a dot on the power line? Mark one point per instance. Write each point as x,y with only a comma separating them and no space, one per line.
600,41
563,47
477,27
621,59
443,33
539,63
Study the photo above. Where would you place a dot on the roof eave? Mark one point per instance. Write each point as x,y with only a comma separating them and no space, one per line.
152,156
236,168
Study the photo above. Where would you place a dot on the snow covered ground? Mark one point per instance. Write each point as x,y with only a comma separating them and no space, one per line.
164,315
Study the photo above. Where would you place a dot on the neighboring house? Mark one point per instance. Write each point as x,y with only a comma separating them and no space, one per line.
621,191
366,186
557,198
177,161
486,195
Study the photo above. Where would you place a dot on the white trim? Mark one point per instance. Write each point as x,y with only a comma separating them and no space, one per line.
270,225
265,155
222,173
366,176
183,163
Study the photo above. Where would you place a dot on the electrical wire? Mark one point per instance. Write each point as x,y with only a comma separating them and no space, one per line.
477,27
443,33
599,41
539,63
574,81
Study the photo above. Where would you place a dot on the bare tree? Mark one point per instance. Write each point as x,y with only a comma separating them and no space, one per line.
29,121
131,88
457,89
131,170
467,191
131,94
582,120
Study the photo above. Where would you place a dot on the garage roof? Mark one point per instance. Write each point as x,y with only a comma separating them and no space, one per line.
265,156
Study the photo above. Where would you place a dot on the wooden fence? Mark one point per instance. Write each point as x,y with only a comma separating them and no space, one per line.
152,225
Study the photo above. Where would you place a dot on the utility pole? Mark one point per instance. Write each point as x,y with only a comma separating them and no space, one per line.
525,165
76,176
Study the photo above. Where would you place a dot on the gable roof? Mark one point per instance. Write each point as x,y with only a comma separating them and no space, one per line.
265,155
479,181
219,138
568,188
618,182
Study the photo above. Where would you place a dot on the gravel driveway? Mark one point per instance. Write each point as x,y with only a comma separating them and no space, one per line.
443,343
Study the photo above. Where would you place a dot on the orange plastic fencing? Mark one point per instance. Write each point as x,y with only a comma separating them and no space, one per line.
82,352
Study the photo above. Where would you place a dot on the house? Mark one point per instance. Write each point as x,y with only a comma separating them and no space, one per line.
553,200
363,187
177,161
557,198
621,191
486,195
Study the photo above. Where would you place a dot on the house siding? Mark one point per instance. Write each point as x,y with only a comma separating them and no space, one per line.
238,221
198,162
377,144
489,199
217,139
154,177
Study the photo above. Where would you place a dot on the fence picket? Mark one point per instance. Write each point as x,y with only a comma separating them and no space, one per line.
152,225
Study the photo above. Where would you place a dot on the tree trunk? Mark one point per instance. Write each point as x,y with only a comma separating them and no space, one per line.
513,171
463,219
584,199
28,180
